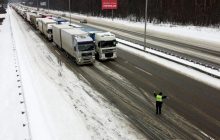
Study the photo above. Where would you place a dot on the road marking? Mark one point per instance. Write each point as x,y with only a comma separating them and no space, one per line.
207,135
82,76
144,71
57,52
147,96
126,62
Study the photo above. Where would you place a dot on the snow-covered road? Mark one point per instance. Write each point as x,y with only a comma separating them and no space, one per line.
45,98
58,105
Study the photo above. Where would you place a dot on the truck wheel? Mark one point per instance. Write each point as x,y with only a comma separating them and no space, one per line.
77,62
61,48
97,56
67,55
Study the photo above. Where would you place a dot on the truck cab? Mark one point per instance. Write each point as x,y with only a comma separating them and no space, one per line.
85,50
105,43
79,45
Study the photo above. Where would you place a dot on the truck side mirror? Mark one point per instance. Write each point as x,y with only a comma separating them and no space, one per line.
74,48
115,43
99,44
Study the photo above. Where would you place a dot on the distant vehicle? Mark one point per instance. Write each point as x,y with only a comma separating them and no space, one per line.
83,21
45,15
60,20
105,45
45,27
79,45
75,25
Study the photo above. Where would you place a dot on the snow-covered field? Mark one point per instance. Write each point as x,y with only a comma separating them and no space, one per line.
58,105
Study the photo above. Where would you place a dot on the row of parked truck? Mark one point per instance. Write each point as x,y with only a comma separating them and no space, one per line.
81,45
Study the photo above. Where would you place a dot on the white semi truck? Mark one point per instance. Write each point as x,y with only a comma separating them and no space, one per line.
105,45
79,45
45,27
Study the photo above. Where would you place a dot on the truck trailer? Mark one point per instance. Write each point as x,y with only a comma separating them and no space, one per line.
45,27
28,16
57,33
105,45
34,18
79,45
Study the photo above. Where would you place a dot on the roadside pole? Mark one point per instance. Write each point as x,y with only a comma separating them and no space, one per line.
48,5
145,29
112,14
37,5
70,11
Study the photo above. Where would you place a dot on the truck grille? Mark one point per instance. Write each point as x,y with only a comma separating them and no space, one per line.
108,51
86,54
108,54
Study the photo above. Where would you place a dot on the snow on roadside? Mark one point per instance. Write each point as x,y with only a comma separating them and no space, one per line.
11,119
174,58
61,105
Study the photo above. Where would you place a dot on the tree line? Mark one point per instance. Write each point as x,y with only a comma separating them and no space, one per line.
195,12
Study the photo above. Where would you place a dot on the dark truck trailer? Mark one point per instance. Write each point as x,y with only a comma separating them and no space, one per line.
1,20
2,12
2,9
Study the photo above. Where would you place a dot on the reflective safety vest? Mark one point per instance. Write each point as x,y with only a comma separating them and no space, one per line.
159,98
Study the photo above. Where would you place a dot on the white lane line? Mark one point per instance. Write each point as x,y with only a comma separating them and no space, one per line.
82,77
144,71
207,135
57,52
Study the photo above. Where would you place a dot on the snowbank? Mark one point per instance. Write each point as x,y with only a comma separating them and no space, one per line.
11,117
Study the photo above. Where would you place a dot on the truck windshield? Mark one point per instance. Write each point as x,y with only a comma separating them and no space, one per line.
88,46
104,44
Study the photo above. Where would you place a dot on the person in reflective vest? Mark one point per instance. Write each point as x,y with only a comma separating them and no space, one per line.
159,101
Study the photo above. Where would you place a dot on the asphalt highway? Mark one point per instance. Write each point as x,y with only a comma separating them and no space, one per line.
128,82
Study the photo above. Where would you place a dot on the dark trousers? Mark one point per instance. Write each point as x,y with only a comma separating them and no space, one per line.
158,107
